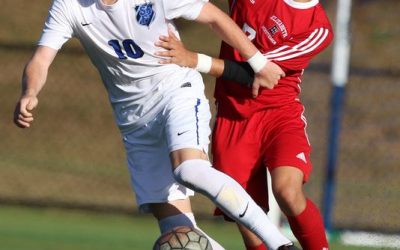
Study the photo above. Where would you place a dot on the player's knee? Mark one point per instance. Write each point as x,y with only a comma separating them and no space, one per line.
190,173
199,176
288,196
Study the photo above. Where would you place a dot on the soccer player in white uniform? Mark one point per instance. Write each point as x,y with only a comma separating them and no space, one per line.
161,110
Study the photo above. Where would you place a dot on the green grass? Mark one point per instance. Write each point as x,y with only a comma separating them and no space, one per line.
49,229
23,228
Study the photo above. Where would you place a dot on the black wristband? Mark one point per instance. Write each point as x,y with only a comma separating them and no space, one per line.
239,72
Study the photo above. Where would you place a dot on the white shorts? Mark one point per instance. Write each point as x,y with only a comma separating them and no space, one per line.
183,123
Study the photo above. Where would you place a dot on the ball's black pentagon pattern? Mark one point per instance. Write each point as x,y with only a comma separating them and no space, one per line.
182,238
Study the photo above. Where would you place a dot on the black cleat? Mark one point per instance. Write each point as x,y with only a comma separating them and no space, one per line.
288,247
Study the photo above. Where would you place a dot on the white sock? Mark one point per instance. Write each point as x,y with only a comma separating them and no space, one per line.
231,198
185,219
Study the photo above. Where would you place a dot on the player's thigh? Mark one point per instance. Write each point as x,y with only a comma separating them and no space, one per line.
150,167
236,151
187,124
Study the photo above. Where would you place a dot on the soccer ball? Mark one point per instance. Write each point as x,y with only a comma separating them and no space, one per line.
182,238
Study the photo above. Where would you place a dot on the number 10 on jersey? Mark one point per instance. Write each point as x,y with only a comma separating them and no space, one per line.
132,50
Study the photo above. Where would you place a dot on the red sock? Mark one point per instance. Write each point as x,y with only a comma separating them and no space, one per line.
260,247
309,229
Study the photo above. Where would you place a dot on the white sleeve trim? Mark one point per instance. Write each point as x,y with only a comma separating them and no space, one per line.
312,42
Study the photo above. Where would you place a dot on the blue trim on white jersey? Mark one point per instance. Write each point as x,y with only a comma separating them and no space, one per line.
196,107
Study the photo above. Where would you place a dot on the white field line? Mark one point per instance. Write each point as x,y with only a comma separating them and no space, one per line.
359,238
370,239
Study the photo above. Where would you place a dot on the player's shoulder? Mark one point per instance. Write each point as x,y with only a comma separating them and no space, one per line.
71,8
70,3
321,16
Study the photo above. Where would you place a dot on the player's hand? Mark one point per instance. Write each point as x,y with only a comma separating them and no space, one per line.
268,77
23,116
175,51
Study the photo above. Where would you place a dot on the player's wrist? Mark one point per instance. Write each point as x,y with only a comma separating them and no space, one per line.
29,93
238,72
257,62
204,63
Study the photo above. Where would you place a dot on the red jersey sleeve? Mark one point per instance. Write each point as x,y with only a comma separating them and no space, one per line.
297,52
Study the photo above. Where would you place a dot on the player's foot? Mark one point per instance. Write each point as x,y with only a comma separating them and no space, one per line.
288,247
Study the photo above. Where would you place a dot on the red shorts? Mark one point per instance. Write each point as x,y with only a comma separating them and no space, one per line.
270,138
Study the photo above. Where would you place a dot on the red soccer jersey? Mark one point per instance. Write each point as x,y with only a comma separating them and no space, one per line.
288,33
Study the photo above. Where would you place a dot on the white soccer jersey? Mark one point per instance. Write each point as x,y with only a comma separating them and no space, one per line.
119,40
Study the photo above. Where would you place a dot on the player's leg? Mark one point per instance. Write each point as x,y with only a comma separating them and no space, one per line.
229,196
303,215
178,213
236,148
187,128
155,188
288,158
251,241
287,186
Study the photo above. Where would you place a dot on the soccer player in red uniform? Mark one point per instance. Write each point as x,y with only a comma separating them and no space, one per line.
259,128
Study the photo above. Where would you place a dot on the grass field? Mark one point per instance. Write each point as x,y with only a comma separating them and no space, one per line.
52,229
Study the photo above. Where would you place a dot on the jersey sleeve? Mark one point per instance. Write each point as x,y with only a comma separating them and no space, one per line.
297,52
188,9
57,28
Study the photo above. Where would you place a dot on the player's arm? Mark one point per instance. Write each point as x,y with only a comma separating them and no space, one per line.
227,29
240,72
57,30
297,52
294,54
267,74
33,79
